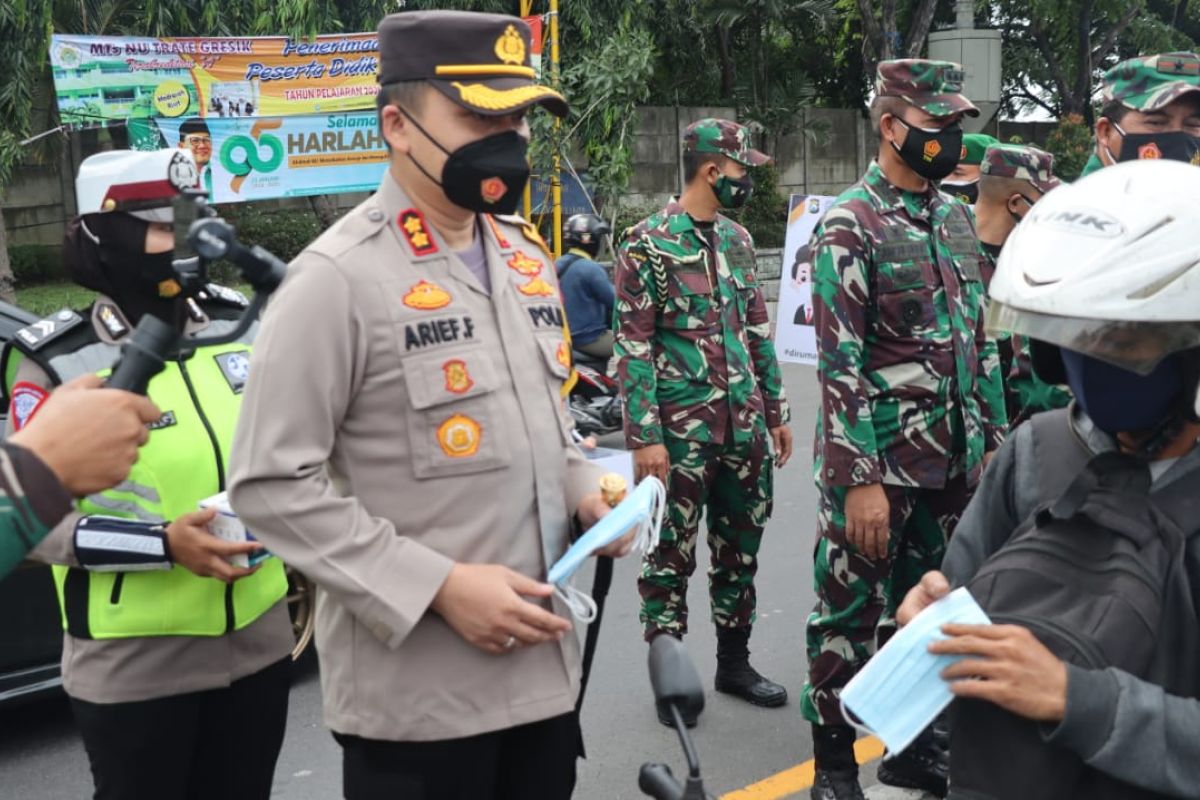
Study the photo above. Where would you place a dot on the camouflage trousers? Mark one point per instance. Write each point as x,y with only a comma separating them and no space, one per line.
734,482
857,596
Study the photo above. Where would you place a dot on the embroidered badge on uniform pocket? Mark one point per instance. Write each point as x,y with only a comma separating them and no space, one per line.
458,379
459,436
538,287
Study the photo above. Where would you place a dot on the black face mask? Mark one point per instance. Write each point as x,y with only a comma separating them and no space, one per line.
930,154
1173,146
107,253
487,176
963,192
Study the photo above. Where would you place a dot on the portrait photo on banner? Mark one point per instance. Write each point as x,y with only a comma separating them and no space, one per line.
795,337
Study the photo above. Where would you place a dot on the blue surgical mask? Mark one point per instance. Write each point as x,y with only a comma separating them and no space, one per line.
642,508
900,691
1120,401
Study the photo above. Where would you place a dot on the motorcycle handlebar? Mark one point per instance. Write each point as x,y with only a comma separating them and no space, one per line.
656,780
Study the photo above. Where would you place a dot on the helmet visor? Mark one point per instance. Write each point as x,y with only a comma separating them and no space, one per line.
1135,346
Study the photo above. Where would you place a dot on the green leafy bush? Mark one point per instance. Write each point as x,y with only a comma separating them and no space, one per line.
35,263
1071,144
765,216
282,231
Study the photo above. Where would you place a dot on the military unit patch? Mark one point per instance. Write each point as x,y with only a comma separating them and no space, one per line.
459,436
524,264
458,379
27,398
427,296
538,287
416,232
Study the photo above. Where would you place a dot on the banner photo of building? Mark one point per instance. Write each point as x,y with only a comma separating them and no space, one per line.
100,80
795,336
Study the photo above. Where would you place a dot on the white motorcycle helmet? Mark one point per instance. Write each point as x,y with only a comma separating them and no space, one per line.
137,182
1108,266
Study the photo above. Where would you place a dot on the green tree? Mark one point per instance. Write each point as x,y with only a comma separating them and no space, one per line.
24,28
1071,144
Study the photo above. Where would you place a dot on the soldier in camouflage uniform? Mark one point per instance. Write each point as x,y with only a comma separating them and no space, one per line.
1150,108
963,183
1014,177
912,400
703,395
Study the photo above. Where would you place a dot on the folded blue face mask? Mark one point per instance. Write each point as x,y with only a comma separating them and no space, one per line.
642,508
900,691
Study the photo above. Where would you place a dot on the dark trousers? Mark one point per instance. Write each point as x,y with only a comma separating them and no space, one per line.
220,743
535,761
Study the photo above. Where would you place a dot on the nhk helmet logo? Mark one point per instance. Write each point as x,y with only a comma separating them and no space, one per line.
243,154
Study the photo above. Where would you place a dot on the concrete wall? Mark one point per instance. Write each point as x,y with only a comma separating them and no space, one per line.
41,198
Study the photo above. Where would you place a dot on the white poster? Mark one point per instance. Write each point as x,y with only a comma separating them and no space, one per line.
795,336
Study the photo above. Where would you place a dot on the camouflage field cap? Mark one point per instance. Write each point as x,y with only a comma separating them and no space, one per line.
1023,162
1148,83
973,147
724,137
932,86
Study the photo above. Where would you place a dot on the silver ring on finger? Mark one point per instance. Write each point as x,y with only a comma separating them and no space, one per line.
510,643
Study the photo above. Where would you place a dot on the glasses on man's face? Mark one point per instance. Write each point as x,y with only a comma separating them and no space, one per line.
193,141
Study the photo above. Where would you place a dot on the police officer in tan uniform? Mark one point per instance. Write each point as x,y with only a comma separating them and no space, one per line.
403,440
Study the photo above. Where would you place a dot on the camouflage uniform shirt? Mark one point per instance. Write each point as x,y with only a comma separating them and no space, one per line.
693,346
911,387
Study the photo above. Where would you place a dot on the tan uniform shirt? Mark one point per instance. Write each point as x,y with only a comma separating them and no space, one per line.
398,419
145,668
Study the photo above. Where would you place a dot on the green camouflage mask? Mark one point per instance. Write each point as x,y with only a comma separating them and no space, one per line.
733,192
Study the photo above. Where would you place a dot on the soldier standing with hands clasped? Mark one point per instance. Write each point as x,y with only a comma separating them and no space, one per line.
912,400
403,441
703,396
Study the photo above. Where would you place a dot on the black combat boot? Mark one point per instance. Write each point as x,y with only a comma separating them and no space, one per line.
925,765
735,675
837,770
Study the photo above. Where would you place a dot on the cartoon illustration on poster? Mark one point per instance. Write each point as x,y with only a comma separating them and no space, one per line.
795,336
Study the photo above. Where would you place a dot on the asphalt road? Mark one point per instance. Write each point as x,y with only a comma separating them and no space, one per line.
739,745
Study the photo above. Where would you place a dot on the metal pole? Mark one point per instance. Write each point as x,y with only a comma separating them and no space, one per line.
527,10
555,177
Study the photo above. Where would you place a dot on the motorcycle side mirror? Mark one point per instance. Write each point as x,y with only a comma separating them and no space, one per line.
674,678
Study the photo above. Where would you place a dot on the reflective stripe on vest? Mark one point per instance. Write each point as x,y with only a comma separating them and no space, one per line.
176,469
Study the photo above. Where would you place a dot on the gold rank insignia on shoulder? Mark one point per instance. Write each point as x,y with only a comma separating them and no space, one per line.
531,233
459,436
427,296
416,232
538,287
524,264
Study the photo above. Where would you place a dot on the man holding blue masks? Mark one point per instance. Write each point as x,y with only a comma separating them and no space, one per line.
1107,295
588,295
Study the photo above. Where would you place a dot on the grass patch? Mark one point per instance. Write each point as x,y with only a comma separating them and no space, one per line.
44,299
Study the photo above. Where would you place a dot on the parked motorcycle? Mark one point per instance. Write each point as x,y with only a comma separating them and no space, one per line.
595,400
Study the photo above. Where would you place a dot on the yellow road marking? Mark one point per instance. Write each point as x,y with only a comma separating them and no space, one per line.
799,777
